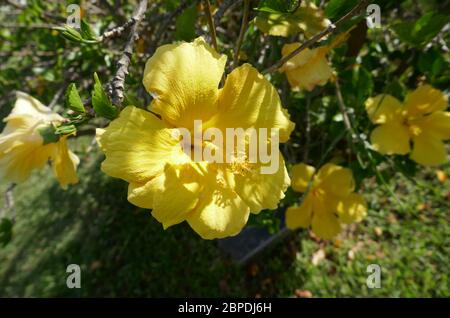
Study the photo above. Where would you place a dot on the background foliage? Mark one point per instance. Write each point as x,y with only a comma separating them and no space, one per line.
124,252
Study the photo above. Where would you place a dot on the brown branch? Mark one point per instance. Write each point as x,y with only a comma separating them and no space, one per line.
241,32
310,42
59,93
343,109
15,4
117,31
211,25
307,129
118,82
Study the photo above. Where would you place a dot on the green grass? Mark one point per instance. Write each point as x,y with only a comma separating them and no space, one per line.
123,251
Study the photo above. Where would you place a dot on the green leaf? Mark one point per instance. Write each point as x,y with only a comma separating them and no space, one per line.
363,84
185,25
6,227
132,100
170,5
66,129
428,26
405,165
439,65
336,9
403,31
71,34
73,99
432,63
100,101
279,6
49,134
422,31
87,32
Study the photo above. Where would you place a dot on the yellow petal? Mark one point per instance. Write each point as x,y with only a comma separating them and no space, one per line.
335,180
219,213
17,164
428,150
26,105
301,175
384,109
179,195
299,59
261,191
248,99
424,100
312,19
352,209
391,138
98,137
341,38
18,131
64,163
22,149
297,217
171,195
138,145
437,124
312,69
184,78
324,223
275,24
142,194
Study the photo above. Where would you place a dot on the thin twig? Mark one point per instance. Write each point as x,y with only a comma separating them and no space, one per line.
57,96
307,129
118,82
29,26
166,21
310,42
117,31
223,8
15,4
343,109
212,28
9,201
242,32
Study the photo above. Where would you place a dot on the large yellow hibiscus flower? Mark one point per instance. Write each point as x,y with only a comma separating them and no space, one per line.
23,149
422,119
329,202
214,198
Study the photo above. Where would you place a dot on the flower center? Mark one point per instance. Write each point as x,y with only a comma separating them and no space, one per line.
317,192
414,130
241,168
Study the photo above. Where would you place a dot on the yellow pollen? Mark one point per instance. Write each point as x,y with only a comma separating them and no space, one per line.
241,167
414,130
